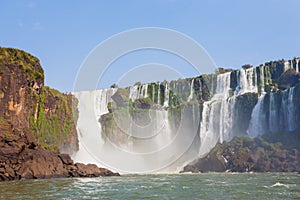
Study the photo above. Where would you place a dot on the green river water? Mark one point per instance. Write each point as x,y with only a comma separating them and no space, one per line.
160,186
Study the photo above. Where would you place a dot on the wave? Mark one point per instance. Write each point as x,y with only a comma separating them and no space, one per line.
278,184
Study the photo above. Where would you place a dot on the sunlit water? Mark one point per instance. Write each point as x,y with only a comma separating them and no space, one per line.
162,186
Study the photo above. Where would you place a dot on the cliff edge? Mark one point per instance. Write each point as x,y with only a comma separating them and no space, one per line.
36,123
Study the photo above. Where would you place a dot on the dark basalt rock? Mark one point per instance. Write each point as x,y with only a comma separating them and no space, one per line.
143,103
270,153
91,170
66,159
288,79
210,163
21,157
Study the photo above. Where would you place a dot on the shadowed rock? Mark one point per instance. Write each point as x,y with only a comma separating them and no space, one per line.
21,157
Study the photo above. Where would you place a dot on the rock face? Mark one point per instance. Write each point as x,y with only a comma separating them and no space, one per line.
27,103
36,123
212,162
269,153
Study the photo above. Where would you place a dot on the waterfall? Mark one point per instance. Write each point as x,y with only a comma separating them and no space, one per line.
287,65
297,65
153,92
288,120
87,124
226,106
262,78
217,116
209,127
291,126
164,141
133,92
138,91
281,111
144,92
218,113
273,114
247,80
258,117
227,122
150,147
191,91
166,95
158,95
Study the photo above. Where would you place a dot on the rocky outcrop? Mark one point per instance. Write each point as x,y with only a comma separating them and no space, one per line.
21,157
212,162
288,79
270,153
36,124
91,170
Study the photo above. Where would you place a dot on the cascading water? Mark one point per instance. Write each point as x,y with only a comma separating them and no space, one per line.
247,80
281,114
217,116
145,90
133,92
158,95
138,91
273,114
151,147
257,122
297,65
217,123
166,95
288,110
155,145
262,78
87,124
191,91
286,66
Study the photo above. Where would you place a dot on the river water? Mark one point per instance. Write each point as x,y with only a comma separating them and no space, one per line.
160,186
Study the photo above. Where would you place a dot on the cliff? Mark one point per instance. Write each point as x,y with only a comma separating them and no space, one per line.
27,103
212,109
273,126
36,123
242,87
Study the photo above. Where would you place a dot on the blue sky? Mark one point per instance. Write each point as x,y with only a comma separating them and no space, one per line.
234,32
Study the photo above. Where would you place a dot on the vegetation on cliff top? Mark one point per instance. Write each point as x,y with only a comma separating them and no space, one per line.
26,62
